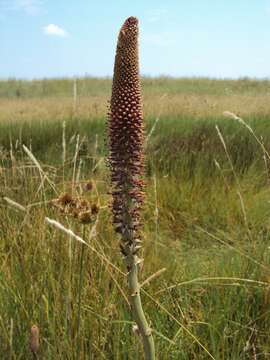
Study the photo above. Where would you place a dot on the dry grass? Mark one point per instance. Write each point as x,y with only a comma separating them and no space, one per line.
201,106
213,297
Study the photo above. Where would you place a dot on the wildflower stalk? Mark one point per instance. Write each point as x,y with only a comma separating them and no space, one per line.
125,128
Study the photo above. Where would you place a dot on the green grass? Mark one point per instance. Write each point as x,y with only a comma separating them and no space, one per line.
100,86
211,233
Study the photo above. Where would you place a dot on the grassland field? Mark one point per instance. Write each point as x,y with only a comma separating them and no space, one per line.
206,221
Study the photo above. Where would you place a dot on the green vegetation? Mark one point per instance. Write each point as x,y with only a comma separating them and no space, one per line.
206,221
99,86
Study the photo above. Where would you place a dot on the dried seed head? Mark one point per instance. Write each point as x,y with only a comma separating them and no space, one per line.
83,204
126,133
34,339
78,208
75,213
65,199
88,186
94,209
85,217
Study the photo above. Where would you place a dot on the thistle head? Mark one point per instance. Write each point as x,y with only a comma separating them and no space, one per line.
76,207
126,136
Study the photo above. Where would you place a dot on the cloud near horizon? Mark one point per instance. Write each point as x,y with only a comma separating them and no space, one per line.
54,30
29,7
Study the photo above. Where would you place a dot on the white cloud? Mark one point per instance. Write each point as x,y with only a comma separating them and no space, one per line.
54,30
30,7
156,15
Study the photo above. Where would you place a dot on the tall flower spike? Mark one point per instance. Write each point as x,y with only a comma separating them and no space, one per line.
126,136
125,127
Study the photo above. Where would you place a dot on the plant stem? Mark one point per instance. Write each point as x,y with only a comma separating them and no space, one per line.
137,309
80,295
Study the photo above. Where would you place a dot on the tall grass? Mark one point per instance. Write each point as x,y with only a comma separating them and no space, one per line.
212,300
92,86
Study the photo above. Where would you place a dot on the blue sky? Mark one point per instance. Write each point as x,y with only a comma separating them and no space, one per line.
216,38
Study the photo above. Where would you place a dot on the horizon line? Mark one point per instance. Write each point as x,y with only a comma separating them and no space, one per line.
143,77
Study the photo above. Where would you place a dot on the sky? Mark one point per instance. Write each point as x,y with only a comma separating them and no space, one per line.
181,38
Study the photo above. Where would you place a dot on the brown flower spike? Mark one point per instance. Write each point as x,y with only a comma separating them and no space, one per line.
126,163
126,138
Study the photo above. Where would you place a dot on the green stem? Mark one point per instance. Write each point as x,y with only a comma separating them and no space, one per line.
132,263
80,295
137,309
